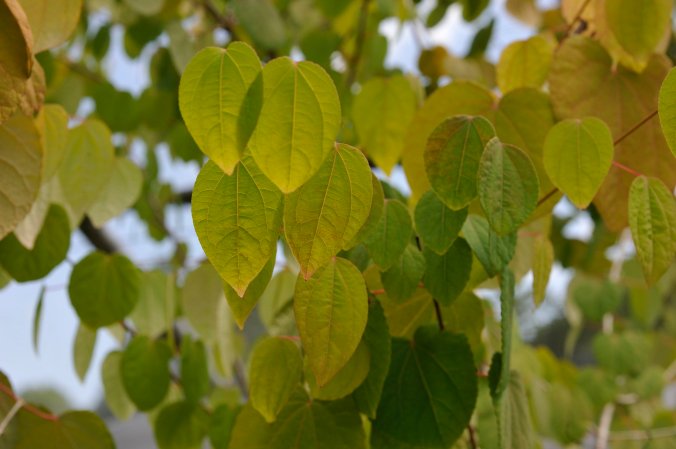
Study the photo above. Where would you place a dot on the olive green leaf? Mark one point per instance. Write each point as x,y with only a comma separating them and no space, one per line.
302,424
543,259
145,371
401,279
52,23
53,123
328,211
493,251
465,316
389,239
377,338
204,305
21,156
116,397
119,194
220,98
104,288
298,122
595,297
155,309
262,20
514,418
382,111
447,275
667,109
194,369
276,304
652,220
331,311
346,380
403,318
220,427
577,156
430,391
508,186
375,212
83,349
237,218
452,158
241,307
49,250
181,425
438,226
524,63
498,376
274,374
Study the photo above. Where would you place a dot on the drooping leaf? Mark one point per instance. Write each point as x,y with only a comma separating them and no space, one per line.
667,109
583,82
241,307
83,349
21,156
493,251
389,239
303,424
181,425
328,211
194,369
508,186
49,250
438,226
155,309
37,319
52,23
237,219
401,279
274,374
430,391
577,156
447,275
116,397
220,98
452,158
298,122
377,338
331,311
455,99
543,260
119,194
524,63
652,219
203,302
104,288
382,111
346,380
145,371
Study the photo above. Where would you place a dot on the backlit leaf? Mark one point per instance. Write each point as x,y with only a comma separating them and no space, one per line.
104,288
83,349
116,397
437,225
452,158
119,194
375,212
298,122
389,239
493,251
261,19
203,302
145,371
52,22
331,311
524,63
155,309
328,211
241,307
275,372
276,304
237,218
447,275
346,380
543,260
652,219
667,109
220,98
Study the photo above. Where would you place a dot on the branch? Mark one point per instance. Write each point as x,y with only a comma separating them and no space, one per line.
358,44
604,426
635,127
98,237
440,317
26,406
224,21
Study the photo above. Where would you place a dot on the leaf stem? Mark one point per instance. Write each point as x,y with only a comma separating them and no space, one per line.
10,415
472,438
633,129
440,317
627,169
577,17
26,406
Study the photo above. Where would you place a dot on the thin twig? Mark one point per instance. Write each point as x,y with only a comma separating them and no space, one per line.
10,415
577,17
26,406
472,438
353,67
623,167
222,20
440,317
635,127
604,426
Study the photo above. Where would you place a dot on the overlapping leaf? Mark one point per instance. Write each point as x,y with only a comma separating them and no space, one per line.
52,23
437,225
524,63
145,371
391,235
667,109
446,275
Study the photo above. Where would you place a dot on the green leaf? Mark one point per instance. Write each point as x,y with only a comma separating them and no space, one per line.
261,19
145,371
328,211
381,112
377,338
302,424
405,317
49,250
652,219
220,98
275,372
375,212
276,304
622,354
119,194
83,349
465,316
241,307
51,23
499,374
104,288
331,311
452,158
194,369
401,279
298,122
447,274
346,380
54,123
667,109
577,157
72,430
493,251
37,319
543,260
145,7
155,309
430,391
220,428
116,397
204,304
508,186
594,297
389,239
181,425
21,156
457,98
237,219
514,418
438,225
524,63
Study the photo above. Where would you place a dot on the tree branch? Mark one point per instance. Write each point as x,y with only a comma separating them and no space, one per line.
223,21
353,67
98,237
